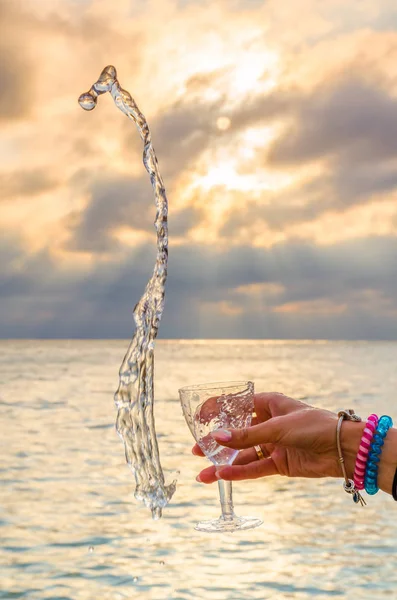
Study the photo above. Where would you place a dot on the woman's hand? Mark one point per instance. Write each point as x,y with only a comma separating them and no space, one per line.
296,439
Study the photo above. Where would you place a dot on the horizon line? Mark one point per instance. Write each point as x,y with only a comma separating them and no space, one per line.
115,339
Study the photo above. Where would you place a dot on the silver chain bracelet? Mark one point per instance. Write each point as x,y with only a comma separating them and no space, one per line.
348,484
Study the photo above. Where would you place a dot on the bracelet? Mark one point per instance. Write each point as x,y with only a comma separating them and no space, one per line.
371,471
348,484
394,487
363,451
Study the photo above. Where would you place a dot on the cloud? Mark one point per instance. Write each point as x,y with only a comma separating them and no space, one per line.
335,191
117,201
352,117
180,133
15,83
26,183
346,124
114,200
16,69
348,290
350,125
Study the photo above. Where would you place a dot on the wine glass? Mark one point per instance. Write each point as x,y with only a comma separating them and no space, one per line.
212,406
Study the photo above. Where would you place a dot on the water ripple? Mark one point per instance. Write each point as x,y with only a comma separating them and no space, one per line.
71,529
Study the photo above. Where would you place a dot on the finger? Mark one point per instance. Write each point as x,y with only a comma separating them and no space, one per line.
196,450
250,455
268,432
244,457
265,403
207,475
274,404
253,470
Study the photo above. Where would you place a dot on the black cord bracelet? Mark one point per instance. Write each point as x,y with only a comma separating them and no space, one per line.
394,487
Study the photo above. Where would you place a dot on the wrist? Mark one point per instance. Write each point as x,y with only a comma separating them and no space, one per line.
350,438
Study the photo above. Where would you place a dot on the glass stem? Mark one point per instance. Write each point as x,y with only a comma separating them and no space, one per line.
225,494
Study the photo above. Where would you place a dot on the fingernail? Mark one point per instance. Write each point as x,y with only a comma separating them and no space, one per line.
198,478
222,435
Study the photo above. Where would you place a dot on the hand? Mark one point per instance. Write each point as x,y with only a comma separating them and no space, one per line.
297,440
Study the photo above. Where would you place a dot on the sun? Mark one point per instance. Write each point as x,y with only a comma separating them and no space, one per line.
255,72
236,166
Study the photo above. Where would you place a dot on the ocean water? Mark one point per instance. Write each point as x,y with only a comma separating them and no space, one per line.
70,528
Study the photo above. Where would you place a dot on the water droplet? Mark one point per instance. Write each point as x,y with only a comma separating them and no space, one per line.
87,101
91,549
135,579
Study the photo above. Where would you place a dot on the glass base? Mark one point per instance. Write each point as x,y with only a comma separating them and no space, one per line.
229,525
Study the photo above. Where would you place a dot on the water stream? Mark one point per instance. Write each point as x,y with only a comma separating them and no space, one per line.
134,397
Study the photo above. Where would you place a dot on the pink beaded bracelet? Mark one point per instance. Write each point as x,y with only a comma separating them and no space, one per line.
362,454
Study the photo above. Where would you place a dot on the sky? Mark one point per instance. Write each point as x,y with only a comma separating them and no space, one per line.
275,128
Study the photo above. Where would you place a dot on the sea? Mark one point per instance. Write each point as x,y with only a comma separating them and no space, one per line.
70,528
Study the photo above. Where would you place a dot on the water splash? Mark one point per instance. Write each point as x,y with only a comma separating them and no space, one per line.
135,395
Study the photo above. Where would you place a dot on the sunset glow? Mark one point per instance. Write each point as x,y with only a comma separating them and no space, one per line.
275,128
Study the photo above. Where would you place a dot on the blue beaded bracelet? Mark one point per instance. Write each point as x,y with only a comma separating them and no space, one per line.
371,471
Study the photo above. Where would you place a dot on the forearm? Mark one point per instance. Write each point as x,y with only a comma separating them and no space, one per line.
350,440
